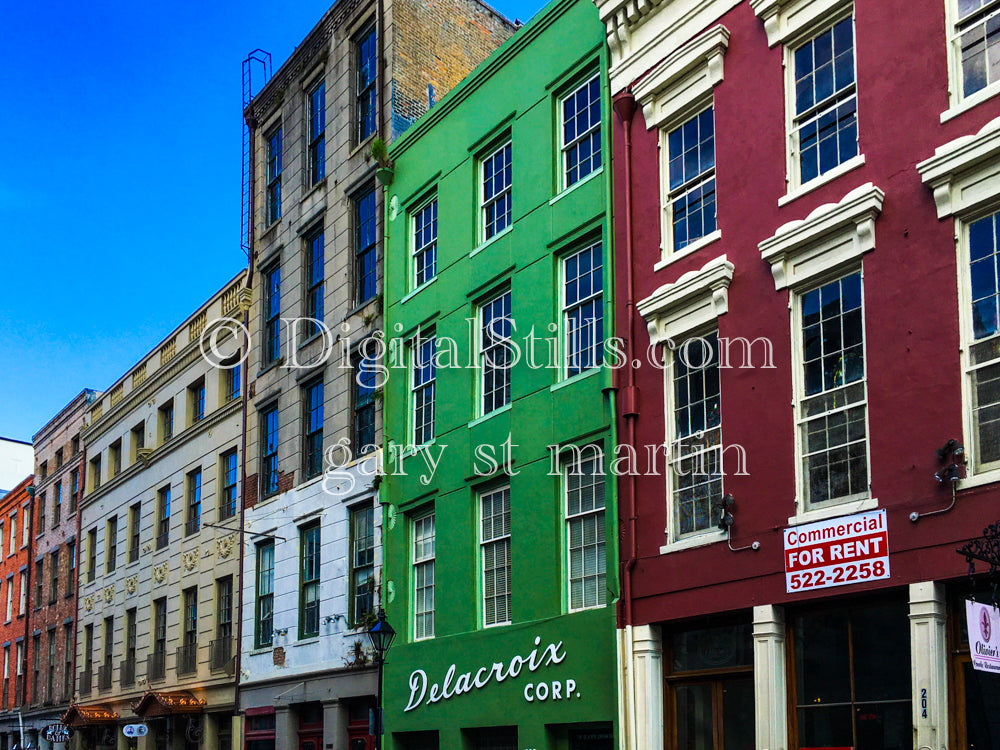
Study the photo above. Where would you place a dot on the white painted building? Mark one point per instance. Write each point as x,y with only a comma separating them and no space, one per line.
17,460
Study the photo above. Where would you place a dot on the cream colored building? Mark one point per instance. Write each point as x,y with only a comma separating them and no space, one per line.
159,549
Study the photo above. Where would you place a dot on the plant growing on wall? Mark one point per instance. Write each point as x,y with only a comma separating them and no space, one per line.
380,153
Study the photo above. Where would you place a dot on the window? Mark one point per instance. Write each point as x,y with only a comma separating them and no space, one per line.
88,650
425,234
224,610
317,132
75,444
130,638
583,480
264,614
74,482
423,577
6,678
581,132
50,682
71,575
42,502
67,664
269,451
364,247
315,271
690,189
111,545
977,44
13,533
583,309
36,660
273,156
95,474
162,517
53,576
190,616
852,676
25,525
313,424
23,587
831,406
980,241
59,458
366,60
160,626
424,373
495,353
91,555
696,410
227,498
134,529
1,538
309,561
193,521
496,192
39,581
115,458
825,123
231,380
364,405
196,401
43,469
10,597
494,541
362,563
272,315
56,504
166,413
138,440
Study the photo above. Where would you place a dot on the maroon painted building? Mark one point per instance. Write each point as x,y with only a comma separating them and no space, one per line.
806,238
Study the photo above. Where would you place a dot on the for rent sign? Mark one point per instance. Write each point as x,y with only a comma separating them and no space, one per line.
845,550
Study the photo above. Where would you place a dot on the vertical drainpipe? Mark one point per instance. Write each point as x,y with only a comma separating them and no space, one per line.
251,121
76,551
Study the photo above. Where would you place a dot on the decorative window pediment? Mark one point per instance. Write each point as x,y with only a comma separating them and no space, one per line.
833,235
964,173
684,78
693,301
785,20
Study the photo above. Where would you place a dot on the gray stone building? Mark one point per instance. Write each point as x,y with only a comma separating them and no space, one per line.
312,559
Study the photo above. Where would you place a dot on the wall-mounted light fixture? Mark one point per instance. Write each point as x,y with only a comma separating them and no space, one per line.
282,631
333,618
952,453
725,510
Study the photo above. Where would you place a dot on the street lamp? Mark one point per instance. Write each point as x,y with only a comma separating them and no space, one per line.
382,635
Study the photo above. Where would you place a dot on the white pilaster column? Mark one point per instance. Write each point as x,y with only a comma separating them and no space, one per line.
770,687
647,700
929,664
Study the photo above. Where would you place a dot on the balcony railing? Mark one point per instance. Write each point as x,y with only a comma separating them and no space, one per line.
221,655
126,672
104,674
187,658
163,540
133,554
156,665
192,525
86,681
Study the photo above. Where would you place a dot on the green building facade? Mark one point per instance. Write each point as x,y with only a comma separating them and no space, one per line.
499,509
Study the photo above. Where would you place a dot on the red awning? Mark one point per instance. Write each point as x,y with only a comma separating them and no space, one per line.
157,703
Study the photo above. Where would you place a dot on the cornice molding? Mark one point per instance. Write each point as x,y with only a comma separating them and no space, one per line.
830,236
786,19
965,172
694,300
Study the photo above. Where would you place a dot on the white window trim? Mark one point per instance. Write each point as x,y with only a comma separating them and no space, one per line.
563,186
788,21
964,175
679,88
563,372
414,564
832,236
693,302
481,412
414,344
414,285
957,101
481,171
567,518
482,560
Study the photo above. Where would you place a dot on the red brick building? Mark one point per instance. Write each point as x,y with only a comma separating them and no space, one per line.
14,613
59,472
806,241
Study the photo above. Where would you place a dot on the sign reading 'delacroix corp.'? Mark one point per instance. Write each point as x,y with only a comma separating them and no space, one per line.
983,621
837,552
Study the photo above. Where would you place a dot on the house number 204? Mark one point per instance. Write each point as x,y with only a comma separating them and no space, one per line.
923,703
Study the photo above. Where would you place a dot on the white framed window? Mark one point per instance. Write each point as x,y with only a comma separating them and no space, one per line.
823,102
974,49
496,186
425,233
494,542
831,399
583,308
495,352
423,577
695,413
689,190
423,381
581,132
583,487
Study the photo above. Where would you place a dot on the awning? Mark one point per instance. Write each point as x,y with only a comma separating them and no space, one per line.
157,703
86,716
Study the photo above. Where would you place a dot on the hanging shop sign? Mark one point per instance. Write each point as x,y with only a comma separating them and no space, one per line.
455,683
983,621
837,552
57,733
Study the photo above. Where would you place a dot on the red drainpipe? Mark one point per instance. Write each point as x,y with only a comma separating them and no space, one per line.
624,107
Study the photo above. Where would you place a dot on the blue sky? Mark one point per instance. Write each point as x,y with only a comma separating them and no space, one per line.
120,180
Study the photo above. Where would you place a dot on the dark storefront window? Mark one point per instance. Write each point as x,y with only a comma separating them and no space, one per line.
494,738
975,695
260,731
710,688
852,677
417,740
